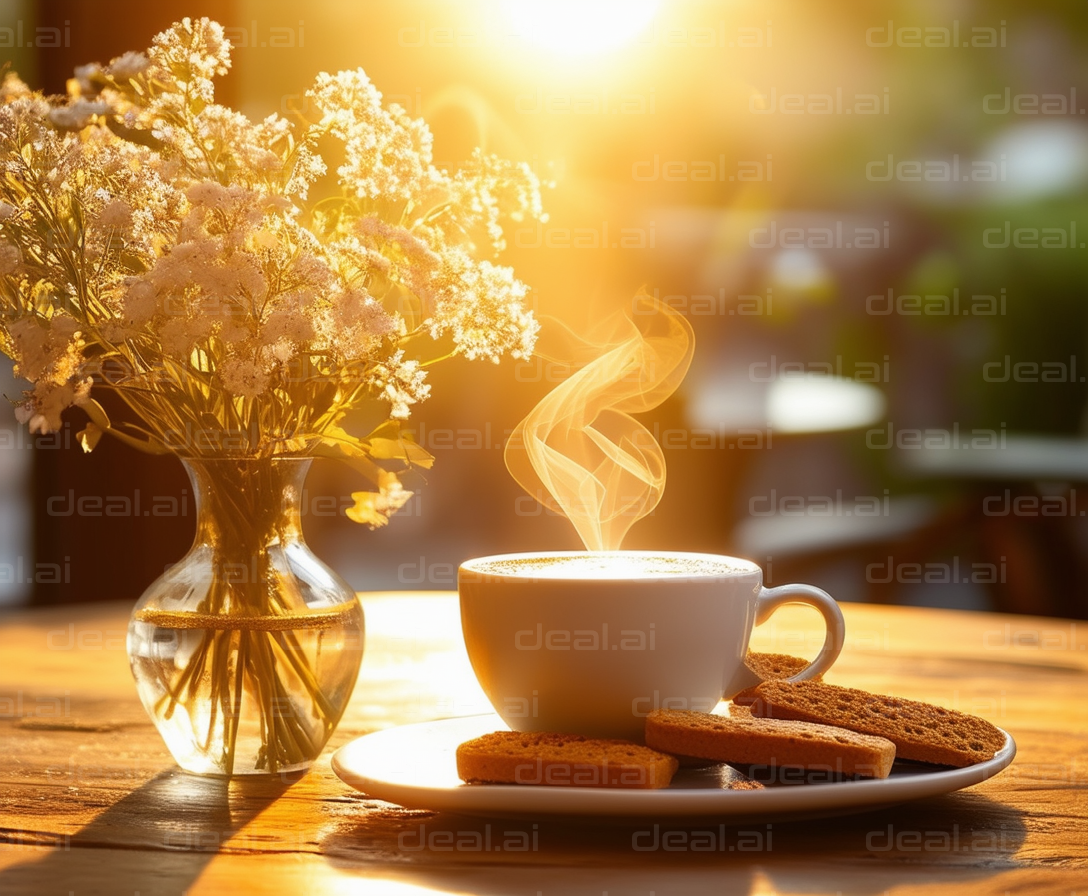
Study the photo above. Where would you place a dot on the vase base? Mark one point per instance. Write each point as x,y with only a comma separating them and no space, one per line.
246,696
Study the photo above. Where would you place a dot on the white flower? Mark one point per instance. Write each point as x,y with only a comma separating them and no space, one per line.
116,214
77,115
388,153
127,66
244,378
287,324
482,306
140,301
85,76
193,53
401,383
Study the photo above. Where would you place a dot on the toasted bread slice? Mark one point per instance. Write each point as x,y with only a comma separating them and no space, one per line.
769,742
770,667
920,731
564,760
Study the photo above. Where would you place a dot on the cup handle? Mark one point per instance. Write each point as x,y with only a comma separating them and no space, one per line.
770,599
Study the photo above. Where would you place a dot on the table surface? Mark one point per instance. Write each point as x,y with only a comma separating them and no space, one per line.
90,801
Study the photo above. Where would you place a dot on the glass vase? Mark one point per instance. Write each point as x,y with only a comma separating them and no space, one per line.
246,651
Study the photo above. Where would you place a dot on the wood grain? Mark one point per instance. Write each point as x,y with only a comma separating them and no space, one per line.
90,801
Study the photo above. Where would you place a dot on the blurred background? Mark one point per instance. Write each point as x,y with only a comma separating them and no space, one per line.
872,213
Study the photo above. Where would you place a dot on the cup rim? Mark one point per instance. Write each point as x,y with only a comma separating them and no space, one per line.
741,567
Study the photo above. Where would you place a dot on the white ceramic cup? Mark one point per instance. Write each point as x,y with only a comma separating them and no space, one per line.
594,653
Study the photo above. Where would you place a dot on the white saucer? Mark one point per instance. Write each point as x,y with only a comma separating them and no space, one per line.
415,766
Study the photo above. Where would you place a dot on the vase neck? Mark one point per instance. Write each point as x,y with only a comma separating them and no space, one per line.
247,506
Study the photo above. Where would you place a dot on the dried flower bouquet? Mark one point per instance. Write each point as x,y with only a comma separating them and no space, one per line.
242,299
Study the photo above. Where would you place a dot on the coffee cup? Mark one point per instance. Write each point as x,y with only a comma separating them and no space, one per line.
592,642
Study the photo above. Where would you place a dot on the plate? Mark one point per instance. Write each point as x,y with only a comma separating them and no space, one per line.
415,766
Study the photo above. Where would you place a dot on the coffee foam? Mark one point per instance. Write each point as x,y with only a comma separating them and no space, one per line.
610,566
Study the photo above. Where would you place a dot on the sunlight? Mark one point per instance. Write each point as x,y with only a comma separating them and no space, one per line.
579,27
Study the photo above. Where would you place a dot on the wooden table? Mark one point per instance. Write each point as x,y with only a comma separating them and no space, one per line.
90,801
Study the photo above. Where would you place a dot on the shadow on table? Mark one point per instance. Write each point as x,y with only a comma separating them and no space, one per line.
169,829
956,838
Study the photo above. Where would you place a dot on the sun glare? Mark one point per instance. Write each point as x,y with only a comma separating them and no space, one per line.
579,27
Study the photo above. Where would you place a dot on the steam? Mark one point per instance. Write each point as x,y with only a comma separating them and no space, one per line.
580,452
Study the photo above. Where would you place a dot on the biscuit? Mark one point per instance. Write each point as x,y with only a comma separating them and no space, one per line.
770,742
920,731
563,760
770,667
